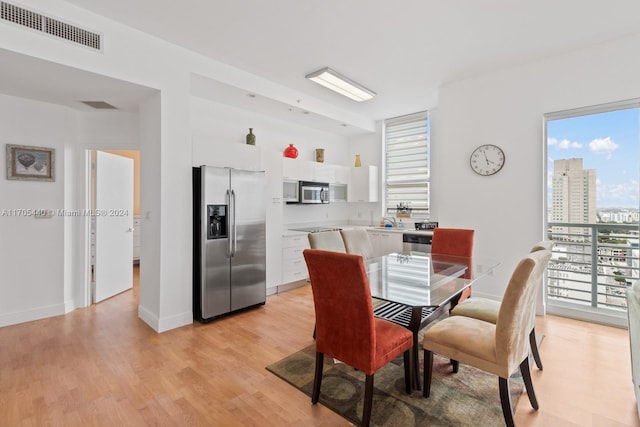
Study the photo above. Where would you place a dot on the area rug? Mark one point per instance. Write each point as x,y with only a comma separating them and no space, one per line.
468,398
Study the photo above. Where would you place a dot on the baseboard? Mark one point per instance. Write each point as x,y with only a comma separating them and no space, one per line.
32,314
166,323
69,306
588,315
288,286
272,290
149,318
176,321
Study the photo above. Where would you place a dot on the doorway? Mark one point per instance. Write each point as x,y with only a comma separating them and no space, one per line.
114,222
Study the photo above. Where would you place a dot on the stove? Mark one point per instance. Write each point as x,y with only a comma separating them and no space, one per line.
315,229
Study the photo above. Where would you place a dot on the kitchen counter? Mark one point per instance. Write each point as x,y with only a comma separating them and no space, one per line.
401,230
289,232
286,233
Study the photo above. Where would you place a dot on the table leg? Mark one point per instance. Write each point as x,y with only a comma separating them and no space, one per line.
414,327
415,361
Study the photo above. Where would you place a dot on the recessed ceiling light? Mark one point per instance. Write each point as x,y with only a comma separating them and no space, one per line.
251,95
343,85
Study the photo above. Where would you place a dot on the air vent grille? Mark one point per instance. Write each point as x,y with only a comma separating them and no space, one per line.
21,16
51,26
99,105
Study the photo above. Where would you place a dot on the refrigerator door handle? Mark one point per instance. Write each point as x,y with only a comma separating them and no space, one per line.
234,234
229,249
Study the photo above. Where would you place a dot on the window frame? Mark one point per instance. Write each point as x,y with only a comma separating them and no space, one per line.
415,117
590,314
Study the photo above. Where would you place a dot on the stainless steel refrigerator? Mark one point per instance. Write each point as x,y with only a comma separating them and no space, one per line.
229,249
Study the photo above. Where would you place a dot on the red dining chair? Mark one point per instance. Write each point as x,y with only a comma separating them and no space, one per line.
345,326
455,242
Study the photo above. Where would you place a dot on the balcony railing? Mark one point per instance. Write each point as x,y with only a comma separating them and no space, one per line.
593,264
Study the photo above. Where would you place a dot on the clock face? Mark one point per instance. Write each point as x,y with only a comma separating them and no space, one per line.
487,159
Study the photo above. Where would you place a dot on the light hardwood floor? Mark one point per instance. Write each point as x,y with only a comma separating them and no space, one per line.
104,366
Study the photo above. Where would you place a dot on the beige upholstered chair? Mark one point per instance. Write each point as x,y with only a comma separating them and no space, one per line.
500,348
327,240
487,309
357,241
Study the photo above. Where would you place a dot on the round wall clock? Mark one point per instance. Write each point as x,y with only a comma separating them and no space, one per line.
487,159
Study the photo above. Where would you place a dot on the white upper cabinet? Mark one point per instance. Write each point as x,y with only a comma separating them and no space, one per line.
341,174
323,172
363,185
290,169
305,170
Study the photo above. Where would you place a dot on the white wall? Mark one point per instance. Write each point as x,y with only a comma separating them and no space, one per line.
229,125
42,260
506,108
32,250
220,132
150,239
369,147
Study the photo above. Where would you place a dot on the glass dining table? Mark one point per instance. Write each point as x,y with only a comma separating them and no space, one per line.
414,289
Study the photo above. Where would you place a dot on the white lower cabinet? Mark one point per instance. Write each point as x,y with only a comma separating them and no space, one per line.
385,242
294,266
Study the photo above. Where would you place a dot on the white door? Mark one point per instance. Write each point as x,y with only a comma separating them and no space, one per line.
113,225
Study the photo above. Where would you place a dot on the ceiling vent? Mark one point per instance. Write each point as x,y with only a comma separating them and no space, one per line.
54,27
99,105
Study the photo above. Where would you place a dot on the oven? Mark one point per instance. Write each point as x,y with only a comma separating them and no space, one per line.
417,242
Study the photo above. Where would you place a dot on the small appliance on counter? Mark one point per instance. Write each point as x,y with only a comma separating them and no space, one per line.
426,225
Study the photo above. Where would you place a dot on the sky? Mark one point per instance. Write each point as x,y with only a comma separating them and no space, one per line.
610,144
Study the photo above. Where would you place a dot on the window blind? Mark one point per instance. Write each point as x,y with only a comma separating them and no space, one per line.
407,163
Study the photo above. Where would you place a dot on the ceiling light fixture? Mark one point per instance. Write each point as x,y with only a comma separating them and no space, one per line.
341,84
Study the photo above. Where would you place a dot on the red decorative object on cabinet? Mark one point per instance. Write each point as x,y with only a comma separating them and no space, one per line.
291,152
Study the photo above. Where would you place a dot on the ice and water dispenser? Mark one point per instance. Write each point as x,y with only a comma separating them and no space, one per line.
217,221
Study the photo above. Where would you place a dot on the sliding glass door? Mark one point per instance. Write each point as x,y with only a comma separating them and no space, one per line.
592,201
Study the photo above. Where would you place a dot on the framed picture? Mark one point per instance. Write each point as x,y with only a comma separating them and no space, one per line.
30,163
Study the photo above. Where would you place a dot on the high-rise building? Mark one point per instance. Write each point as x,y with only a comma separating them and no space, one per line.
573,197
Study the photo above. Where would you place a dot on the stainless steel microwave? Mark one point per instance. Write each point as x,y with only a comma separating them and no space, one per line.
313,192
